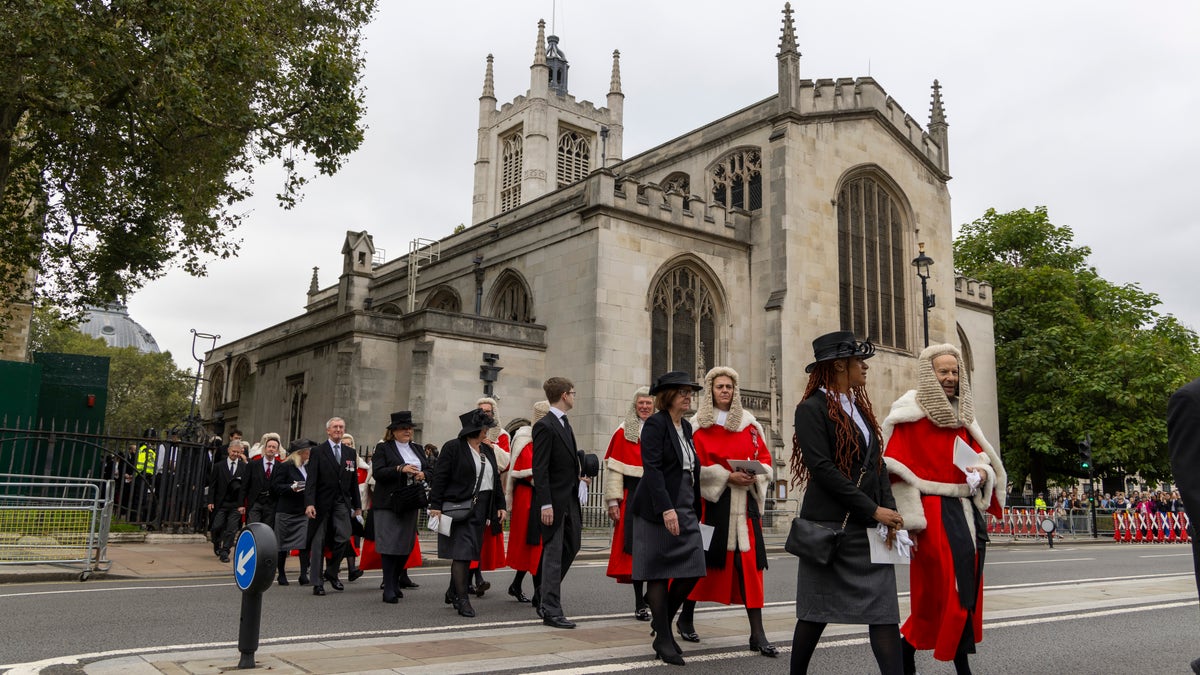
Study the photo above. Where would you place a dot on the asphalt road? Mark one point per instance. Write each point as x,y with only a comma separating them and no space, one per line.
44,620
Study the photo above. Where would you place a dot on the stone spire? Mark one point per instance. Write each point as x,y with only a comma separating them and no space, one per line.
539,50
939,131
489,85
313,286
614,84
787,43
789,64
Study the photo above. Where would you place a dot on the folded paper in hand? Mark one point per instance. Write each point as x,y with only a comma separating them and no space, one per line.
706,534
881,554
965,456
440,525
748,465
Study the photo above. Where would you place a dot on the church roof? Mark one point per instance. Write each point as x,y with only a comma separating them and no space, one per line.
117,328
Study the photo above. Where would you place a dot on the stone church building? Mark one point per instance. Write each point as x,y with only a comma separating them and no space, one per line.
733,244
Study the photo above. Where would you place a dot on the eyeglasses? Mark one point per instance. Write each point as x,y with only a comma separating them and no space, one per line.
572,392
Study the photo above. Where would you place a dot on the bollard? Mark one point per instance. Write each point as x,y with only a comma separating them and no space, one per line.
256,557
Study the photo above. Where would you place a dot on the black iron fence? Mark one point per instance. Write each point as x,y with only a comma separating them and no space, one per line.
158,483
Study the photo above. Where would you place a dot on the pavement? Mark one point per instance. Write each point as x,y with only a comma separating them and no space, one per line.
525,646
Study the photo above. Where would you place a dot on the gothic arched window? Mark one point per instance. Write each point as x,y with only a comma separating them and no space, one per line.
510,299
240,374
512,156
216,387
681,183
445,299
683,322
574,157
737,180
871,262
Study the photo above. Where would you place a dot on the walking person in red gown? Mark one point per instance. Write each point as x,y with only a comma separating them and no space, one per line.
624,469
523,556
943,506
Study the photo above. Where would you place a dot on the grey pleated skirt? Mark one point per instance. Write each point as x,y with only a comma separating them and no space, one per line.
466,536
851,589
291,531
657,554
395,533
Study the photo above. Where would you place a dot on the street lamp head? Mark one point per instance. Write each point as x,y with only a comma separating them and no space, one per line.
922,262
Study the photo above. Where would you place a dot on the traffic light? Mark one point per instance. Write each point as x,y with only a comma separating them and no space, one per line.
1085,454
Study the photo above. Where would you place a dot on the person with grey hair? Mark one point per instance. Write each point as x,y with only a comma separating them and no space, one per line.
331,498
623,464
524,542
942,501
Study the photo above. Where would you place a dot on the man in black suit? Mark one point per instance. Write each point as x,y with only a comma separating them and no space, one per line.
330,498
1183,440
556,493
262,502
227,499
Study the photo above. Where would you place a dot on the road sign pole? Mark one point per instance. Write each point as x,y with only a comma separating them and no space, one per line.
255,558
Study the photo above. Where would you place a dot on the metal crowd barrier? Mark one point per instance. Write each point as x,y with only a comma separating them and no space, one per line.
47,520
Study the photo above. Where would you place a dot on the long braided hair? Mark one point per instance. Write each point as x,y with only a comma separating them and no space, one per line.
846,450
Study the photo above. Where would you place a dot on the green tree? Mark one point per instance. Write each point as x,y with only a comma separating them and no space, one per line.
144,390
129,130
1075,353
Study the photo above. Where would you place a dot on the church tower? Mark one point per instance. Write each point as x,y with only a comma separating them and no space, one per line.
545,139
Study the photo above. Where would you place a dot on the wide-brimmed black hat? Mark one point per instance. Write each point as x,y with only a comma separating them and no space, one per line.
473,421
300,444
839,344
401,419
676,379
589,464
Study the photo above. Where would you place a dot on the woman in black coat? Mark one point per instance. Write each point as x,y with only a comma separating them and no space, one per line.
837,458
291,523
668,552
467,471
397,464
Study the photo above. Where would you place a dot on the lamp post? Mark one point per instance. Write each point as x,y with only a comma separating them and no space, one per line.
193,424
923,262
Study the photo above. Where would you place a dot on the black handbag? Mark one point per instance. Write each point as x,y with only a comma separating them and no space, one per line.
458,511
815,542
409,497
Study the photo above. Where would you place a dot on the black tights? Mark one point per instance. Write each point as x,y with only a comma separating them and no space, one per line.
885,643
392,566
459,571
664,598
639,597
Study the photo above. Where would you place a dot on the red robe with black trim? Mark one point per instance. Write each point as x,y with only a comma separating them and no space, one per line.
715,446
521,555
623,458
920,459
491,555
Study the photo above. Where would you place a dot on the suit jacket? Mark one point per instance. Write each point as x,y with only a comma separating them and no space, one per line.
386,465
662,468
330,481
455,478
259,486
228,488
555,473
287,500
1183,441
830,493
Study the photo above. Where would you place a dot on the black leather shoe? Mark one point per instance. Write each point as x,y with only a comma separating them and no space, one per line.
282,580
408,583
333,581
642,614
516,593
450,597
391,599
663,650
224,557
763,647
558,622
482,587
354,575
303,581
318,590
464,608
688,633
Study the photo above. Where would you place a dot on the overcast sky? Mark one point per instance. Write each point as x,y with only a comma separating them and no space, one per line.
1087,108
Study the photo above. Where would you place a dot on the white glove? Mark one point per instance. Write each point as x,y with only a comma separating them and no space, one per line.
904,544
973,480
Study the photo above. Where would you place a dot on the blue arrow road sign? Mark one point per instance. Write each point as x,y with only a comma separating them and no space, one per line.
245,559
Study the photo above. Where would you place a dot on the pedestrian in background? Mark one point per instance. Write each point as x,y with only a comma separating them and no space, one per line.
524,535
837,458
331,499
623,462
397,464
227,498
943,505
668,550
258,492
291,523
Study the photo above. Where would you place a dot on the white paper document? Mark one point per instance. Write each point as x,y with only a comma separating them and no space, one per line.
750,465
440,524
965,456
881,554
706,534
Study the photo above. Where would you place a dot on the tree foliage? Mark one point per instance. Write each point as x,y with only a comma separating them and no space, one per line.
144,390
129,130
1075,353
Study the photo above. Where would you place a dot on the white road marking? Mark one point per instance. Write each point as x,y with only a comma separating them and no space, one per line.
1167,555
1029,562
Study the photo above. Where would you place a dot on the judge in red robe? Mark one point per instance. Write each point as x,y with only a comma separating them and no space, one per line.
943,506
491,556
734,500
523,556
623,470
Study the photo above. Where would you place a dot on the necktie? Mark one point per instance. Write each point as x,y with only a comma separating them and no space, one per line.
232,463
337,452
269,469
